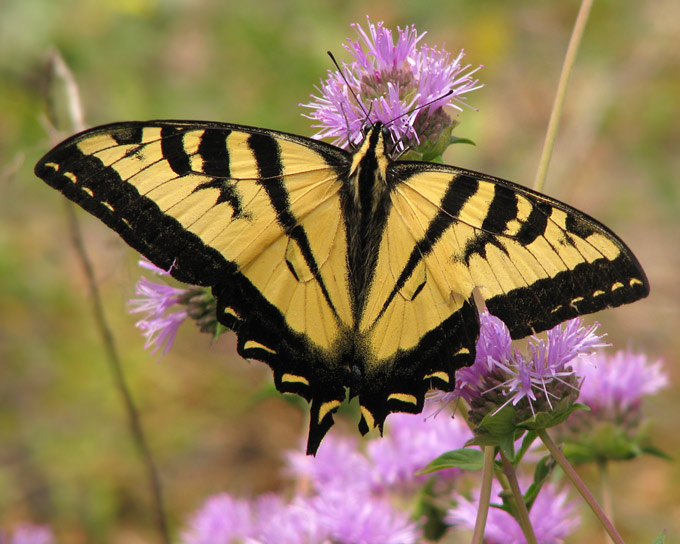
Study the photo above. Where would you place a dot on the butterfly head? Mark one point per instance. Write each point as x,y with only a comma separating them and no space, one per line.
373,150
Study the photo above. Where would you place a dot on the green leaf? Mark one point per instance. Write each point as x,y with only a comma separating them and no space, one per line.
544,420
660,538
507,445
526,444
457,140
543,469
466,459
656,452
498,424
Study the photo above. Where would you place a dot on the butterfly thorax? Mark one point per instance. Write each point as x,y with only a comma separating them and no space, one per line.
366,205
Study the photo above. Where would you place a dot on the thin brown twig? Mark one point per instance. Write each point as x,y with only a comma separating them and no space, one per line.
75,118
560,95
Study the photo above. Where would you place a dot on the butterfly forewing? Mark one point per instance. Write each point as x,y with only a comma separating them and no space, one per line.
535,261
254,214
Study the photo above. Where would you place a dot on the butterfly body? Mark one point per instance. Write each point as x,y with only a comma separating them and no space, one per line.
343,270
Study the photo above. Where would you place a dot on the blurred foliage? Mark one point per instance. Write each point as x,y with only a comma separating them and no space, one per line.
65,453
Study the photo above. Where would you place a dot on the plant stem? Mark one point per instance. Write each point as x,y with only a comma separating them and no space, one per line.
580,486
605,491
484,494
560,95
74,117
520,505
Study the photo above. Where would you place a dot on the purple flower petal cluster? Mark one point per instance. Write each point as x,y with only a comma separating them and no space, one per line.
615,384
411,442
553,517
395,82
332,516
514,376
155,299
343,494
28,534
338,464
221,520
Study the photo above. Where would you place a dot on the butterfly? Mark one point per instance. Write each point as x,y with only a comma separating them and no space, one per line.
343,270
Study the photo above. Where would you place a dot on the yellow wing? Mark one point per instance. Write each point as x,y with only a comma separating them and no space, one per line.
253,213
450,233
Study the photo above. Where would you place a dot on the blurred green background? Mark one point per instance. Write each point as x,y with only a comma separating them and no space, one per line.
66,457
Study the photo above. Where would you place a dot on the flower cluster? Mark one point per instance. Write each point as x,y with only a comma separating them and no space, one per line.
613,388
413,90
27,534
541,380
553,517
348,492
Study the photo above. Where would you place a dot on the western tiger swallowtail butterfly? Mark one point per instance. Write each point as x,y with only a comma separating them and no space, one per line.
343,270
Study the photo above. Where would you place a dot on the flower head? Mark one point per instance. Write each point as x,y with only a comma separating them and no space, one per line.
613,388
335,515
221,520
532,380
367,519
337,464
412,89
411,441
28,534
154,299
552,517
615,384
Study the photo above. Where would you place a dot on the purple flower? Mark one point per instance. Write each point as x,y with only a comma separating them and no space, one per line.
28,534
337,464
155,299
552,517
281,523
493,345
410,89
616,383
534,380
335,515
362,519
411,441
548,362
221,520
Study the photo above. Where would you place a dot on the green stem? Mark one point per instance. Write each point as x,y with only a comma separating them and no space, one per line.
558,105
74,117
580,486
484,494
520,505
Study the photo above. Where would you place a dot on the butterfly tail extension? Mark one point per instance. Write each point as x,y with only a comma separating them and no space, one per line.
298,366
401,384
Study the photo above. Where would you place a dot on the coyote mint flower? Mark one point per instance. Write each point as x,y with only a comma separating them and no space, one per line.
613,387
411,88
160,325
540,380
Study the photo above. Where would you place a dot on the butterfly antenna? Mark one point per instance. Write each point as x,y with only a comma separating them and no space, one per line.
356,97
349,131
